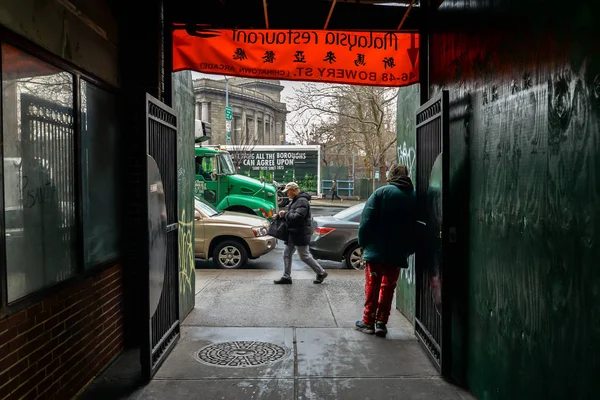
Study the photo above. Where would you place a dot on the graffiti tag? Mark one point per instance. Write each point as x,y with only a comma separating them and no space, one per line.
407,156
408,274
38,195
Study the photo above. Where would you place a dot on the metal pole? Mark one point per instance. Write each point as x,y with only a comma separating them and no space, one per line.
226,92
353,174
227,134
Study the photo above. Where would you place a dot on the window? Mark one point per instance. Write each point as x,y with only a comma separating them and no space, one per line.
39,173
236,130
44,174
101,171
205,207
227,167
205,167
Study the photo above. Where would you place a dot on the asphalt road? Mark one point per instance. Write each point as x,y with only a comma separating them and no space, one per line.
274,259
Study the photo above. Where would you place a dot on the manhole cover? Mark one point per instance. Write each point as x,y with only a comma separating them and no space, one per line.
240,354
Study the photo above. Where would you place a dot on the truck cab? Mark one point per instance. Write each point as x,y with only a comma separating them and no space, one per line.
218,184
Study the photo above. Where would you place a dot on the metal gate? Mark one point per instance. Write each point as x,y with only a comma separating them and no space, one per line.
432,173
163,272
47,181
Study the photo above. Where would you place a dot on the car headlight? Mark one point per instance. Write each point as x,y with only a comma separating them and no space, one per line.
259,231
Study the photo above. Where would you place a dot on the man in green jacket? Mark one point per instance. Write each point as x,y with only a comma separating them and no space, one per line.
387,235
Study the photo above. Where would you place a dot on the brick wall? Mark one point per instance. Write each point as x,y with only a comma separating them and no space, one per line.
54,348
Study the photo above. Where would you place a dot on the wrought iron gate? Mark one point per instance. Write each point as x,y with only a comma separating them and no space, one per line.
432,172
163,271
48,181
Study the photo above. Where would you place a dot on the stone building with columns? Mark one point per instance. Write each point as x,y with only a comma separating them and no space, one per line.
258,114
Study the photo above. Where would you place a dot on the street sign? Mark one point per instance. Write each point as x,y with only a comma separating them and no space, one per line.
228,118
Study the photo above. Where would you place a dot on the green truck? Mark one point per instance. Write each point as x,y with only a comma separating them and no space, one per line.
218,184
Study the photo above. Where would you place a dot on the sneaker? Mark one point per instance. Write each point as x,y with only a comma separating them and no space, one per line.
283,281
321,278
364,328
380,329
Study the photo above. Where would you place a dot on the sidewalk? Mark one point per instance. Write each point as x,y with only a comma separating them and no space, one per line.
250,339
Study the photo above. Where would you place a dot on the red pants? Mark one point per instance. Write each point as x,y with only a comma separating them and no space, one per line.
380,284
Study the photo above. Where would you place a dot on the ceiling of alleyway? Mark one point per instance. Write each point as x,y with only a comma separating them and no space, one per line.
300,14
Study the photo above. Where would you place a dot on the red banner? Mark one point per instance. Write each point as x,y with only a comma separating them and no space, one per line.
346,57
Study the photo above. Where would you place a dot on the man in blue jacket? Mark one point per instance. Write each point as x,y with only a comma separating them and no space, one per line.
386,233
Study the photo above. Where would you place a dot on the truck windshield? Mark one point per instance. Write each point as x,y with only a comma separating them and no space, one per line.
227,167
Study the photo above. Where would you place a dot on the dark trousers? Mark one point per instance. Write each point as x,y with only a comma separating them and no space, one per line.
334,195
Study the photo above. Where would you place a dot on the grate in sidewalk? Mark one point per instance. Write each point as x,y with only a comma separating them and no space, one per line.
240,354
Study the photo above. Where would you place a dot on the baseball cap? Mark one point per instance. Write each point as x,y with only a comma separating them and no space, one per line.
291,185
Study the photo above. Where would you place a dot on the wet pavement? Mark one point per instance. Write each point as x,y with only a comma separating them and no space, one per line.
250,339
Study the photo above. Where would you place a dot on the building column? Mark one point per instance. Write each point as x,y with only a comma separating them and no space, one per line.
205,116
137,48
265,137
242,138
271,133
255,126
198,110
280,133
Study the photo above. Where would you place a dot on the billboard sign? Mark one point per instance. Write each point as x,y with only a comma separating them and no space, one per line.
280,163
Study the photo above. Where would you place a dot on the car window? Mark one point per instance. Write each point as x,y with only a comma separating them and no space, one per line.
351,213
206,208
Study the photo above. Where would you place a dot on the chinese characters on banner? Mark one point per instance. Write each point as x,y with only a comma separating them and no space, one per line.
346,57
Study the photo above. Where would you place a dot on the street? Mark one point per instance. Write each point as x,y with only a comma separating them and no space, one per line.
273,259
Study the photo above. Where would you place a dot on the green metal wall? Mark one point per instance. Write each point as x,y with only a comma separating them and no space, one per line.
408,102
184,105
524,82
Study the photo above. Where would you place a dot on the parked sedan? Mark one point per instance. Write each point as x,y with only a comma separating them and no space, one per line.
335,238
229,238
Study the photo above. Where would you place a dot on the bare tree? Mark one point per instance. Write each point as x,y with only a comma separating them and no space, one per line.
57,88
244,143
316,131
361,119
313,128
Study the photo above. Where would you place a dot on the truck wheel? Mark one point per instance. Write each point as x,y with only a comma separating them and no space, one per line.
284,203
230,254
282,200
